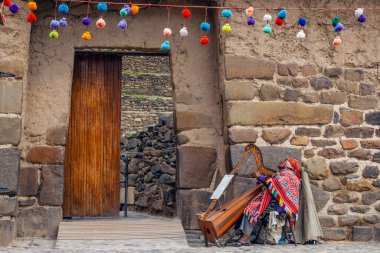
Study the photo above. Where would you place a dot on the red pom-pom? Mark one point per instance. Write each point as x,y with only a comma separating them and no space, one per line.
186,13
31,18
279,21
204,40
7,3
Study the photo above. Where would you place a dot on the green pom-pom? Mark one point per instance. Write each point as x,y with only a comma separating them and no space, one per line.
53,34
267,29
123,12
335,21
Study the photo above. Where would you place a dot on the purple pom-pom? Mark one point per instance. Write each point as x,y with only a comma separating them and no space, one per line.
338,28
123,24
13,8
54,24
362,19
86,21
63,22
251,21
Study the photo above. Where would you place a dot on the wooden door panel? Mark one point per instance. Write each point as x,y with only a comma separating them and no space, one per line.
92,164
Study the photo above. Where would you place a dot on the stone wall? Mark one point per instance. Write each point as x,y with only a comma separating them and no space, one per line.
146,90
14,46
319,99
197,105
151,155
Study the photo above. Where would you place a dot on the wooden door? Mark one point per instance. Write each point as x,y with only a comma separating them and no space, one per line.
92,162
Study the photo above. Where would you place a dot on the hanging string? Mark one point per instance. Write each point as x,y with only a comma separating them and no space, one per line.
88,6
55,9
168,17
205,14
375,9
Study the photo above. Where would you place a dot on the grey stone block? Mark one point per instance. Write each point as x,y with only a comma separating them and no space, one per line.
10,97
9,169
362,234
10,130
8,206
7,232
39,221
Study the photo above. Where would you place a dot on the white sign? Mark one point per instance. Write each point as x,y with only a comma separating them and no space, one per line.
222,186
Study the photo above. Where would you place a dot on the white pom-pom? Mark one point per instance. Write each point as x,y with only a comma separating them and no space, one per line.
359,12
183,32
267,18
301,35
167,32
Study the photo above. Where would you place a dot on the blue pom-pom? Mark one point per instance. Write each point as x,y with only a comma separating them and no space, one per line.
102,6
338,28
302,21
54,24
282,14
13,8
86,21
63,22
251,21
165,45
205,26
362,19
127,8
63,8
123,24
226,13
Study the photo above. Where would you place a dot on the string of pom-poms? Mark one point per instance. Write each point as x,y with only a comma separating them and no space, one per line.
226,14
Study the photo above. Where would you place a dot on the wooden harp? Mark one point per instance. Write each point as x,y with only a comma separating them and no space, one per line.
215,223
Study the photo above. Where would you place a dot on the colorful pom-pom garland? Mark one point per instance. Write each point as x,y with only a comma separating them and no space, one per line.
54,24
167,32
86,21
32,18
226,28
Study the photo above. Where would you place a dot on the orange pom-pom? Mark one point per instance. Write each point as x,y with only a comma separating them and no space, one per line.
186,13
204,40
7,3
86,35
134,9
31,18
32,6
279,21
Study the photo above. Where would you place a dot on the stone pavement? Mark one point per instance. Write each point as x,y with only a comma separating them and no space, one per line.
45,245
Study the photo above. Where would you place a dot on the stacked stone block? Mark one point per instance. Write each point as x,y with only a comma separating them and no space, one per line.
333,126
146,90
321,100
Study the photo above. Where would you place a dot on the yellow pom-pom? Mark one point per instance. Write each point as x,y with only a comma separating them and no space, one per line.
54,34
226,28
32,6
86,35
135,9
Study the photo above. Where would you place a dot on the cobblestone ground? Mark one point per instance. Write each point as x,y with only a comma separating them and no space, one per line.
43,245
